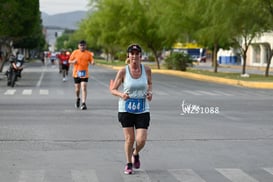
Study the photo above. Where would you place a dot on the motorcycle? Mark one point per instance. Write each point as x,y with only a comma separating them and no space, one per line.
15,69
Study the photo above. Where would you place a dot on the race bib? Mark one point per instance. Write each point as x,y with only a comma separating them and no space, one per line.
82,73
20,57
65,62
134,105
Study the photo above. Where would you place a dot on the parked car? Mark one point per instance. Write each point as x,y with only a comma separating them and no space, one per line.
202,59
144,58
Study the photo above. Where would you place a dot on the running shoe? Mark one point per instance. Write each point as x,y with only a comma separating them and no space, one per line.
77,105
83,106
128,169
136,161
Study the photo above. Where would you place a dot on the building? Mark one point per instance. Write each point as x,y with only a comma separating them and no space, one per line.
259,51
51,34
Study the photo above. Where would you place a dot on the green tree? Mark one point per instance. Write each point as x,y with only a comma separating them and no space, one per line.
32,36
10,19
9,27
141,24
266,7
218,23
108,19
214,30
20,20
245,29
158,24
115,24
20,25
63,42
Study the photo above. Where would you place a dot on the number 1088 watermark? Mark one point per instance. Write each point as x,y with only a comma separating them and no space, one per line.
196,109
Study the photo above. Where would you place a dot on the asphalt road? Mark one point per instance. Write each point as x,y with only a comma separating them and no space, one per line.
200,131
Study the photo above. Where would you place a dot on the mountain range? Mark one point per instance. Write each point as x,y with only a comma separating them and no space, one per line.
69,20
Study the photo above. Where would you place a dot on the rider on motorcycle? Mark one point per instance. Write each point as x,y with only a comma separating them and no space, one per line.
15,69
17,62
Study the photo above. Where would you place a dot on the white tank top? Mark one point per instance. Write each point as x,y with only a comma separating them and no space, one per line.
136,88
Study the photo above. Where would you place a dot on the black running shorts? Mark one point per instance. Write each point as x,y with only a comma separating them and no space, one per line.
79,80
65,67
134,120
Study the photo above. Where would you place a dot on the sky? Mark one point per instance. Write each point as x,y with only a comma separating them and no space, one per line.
52,7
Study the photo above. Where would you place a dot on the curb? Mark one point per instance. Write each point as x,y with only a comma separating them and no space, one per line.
199,77
249,84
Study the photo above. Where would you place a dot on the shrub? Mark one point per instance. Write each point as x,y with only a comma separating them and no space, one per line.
169,62
178,61
122,56
151,58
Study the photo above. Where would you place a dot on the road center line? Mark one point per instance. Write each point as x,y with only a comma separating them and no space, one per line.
41,78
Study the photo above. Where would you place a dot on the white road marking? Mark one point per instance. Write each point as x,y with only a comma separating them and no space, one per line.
192,92
10,92
41,78
186,175
27,92
236,175
43,92
207,92
270,170
222,93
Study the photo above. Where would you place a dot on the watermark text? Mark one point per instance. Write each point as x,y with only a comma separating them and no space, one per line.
196,109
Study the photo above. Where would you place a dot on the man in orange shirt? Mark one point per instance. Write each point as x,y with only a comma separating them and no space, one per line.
81,58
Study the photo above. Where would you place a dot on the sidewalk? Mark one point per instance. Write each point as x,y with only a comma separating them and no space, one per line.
229,68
